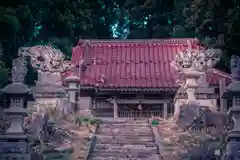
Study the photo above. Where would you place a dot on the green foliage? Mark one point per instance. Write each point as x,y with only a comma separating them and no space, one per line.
10,20
62,22
4,74
64,45
31,75
155,122
216,24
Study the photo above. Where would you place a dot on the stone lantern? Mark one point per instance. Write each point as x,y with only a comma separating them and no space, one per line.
232,92
73,86
13,143
72,82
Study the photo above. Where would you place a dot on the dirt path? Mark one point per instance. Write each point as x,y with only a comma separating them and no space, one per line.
80,139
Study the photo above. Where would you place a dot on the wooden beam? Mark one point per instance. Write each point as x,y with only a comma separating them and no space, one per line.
143,101
129,89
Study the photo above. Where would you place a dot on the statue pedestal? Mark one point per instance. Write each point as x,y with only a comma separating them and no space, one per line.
14,142
233,146
14,146
191,84
190,87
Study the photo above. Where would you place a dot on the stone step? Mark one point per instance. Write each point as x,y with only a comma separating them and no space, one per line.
120,152
122,142
125,136
125,126
136,137
122,155
124,131
128,137
127,146
119,124
112,158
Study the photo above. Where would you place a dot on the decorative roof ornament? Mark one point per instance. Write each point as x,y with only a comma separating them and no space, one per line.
198,59
19,69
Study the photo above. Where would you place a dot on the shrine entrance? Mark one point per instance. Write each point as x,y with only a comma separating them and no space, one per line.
140,111
130,108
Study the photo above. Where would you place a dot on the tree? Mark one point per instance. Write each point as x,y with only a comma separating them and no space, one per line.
57,22
216,24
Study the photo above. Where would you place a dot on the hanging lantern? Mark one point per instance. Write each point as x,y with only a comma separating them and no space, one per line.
140,106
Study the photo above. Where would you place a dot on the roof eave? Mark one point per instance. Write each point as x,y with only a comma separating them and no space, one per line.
130,89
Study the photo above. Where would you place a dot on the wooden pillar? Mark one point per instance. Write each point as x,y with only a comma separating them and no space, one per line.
165,110
94,105
115,109
223,102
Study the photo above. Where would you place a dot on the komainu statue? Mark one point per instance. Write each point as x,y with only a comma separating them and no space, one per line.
48,61
198,59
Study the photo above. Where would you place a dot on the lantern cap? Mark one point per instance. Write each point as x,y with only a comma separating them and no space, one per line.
232,90
16,88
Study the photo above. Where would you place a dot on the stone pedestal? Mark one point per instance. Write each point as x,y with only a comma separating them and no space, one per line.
191,84
190,88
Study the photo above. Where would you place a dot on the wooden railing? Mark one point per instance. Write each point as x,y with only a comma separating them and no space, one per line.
136,114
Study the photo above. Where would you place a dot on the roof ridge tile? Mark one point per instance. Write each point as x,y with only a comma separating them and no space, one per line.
129,42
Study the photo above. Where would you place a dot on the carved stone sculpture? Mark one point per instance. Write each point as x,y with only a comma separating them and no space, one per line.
196,59
193,63
48,61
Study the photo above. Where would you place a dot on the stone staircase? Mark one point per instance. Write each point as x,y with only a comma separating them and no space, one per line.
124,141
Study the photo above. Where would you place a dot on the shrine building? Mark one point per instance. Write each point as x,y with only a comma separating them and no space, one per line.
134,78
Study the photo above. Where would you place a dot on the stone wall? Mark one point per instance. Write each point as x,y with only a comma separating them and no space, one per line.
85,103
211,103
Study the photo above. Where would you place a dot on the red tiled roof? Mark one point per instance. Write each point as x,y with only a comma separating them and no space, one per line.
133,63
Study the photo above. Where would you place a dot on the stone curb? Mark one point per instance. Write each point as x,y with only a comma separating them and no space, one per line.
91,144
157,138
